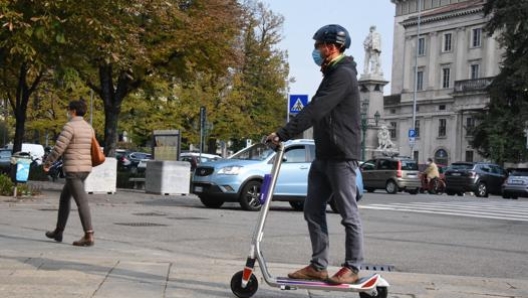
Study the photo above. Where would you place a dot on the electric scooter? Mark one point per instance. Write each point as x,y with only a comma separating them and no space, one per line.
244,284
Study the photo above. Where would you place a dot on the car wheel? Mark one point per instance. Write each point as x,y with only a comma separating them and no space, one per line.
482,190
297,205
506,195
211,202
249,197
391,187
450,193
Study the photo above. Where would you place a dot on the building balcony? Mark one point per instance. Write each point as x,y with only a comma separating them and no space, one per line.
474,85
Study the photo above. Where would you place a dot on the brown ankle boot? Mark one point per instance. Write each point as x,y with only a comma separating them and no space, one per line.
87,240
56,235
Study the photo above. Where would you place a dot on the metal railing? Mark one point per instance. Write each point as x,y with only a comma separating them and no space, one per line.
473,85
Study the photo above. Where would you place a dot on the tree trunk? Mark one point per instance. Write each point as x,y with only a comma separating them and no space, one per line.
113,99
19,105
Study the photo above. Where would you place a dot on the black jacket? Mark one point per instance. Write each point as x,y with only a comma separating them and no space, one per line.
334,113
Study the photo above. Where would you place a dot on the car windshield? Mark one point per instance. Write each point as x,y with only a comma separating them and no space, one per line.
255,152
520,173
461,166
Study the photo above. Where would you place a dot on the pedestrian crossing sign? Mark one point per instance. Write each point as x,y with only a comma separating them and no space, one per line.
297,102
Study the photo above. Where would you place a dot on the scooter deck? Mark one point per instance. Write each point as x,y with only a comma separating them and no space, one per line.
364,283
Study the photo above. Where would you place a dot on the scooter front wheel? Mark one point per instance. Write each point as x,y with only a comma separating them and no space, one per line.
383,292
236,285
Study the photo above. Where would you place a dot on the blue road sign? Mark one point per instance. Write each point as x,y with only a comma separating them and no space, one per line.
297,102
412,133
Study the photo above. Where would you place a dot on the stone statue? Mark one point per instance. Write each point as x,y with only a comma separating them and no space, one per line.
372,46
384,140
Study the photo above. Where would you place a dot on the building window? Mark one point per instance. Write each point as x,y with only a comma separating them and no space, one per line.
441,157
470,124
469,156
441,107
475,71
417,128
392,129
393,111
435,3
477,37
442,127
446,74
447,42
421,46
419,80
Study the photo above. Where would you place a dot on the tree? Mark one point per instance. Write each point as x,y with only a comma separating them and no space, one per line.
135,43
499,133
245,101
260,79
29,37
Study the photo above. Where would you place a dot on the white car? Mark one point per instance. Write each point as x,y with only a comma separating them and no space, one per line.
195,158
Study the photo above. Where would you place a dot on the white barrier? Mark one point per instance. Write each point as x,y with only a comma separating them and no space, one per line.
167,177
103,178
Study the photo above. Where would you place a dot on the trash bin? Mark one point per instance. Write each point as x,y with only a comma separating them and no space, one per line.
20,164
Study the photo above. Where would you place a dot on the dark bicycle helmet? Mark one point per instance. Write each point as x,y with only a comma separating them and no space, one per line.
335,34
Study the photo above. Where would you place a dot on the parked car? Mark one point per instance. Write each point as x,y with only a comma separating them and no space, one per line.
393,174
5,160
239,177
130,160
516,185
195,158
481,178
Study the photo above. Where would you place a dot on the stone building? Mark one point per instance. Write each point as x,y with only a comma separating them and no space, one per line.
456,60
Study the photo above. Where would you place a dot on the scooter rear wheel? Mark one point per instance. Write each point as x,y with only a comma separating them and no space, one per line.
238,290
383,292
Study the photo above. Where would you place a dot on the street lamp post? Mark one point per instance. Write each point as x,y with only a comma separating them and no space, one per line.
364,127
364,131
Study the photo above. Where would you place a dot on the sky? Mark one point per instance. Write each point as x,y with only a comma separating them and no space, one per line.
304,17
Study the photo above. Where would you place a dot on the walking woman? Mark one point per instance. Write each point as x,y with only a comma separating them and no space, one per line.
74,144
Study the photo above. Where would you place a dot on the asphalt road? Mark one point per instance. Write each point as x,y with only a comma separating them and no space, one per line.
171,246
450,235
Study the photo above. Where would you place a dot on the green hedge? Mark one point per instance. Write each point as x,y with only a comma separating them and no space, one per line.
7,187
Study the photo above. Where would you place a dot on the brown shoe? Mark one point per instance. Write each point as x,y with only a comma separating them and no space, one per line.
310,273
87,240
344,276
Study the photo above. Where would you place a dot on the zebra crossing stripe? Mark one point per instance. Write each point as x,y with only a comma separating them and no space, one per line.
517,212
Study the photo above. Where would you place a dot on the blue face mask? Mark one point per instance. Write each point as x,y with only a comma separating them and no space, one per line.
316,55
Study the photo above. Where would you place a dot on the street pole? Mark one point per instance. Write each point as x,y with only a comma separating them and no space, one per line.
202,129
416,52
363,130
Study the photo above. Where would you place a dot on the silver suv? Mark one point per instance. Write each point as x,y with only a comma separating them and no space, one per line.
393,174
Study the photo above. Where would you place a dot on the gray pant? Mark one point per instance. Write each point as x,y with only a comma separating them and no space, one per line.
338,179
74,186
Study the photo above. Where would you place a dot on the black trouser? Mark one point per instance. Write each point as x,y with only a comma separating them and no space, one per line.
74,187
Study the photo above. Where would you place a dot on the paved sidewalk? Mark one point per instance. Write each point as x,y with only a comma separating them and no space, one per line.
32,266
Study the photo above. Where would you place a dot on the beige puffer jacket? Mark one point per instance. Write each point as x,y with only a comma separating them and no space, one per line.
74,144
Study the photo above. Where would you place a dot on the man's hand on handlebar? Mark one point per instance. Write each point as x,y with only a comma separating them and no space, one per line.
273,138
